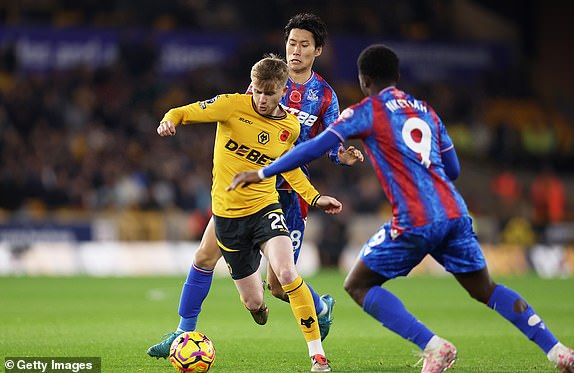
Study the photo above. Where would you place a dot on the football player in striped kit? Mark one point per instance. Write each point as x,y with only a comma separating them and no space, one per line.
312,100
415,160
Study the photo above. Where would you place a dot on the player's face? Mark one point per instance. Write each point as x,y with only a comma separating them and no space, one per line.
301,50
266,97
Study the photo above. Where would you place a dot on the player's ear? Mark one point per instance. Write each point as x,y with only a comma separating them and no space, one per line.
318,51
364,81
285,89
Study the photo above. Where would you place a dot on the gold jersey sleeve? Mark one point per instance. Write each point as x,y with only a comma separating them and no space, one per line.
244,141
301,184
201,111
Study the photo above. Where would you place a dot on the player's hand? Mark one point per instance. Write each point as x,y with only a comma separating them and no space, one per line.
166,129
349,156
329,205
243,179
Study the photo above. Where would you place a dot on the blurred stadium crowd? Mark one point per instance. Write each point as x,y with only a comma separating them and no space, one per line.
82,141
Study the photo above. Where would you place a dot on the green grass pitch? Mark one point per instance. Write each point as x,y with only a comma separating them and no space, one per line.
118,318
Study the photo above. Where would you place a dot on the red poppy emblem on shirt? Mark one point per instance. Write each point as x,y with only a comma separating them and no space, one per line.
295,96
284,135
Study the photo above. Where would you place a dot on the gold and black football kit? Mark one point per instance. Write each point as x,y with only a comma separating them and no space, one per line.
246,217
245,140
239,238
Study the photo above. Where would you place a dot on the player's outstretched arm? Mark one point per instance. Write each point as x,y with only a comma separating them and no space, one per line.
328,204
296,157
350,155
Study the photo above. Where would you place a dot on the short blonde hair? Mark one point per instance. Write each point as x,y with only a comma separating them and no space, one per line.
272,70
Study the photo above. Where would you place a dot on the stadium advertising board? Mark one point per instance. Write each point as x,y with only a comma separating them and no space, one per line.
47,49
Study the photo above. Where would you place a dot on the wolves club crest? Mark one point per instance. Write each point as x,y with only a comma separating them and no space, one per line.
308,322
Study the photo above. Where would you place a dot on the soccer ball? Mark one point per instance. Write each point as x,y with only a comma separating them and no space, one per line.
192,352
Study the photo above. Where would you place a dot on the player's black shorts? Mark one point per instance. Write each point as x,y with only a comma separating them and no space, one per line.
239,238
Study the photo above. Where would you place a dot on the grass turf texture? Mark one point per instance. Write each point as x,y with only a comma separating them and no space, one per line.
118,318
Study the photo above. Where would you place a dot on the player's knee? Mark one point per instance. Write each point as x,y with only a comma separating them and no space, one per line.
286,276
252,303
482,293
352,289
206,256
357,289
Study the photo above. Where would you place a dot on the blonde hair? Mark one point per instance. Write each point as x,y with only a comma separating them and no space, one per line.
270,71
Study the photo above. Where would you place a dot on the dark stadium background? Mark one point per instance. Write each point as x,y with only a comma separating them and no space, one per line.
83,85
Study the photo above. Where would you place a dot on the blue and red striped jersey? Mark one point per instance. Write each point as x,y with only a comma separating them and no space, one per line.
404,139
314,103
316,106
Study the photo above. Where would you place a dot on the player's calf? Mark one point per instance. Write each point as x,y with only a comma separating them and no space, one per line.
279,294
275,287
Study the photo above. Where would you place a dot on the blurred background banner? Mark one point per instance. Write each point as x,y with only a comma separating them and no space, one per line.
180,53
428,61
32,232
44,49
87,186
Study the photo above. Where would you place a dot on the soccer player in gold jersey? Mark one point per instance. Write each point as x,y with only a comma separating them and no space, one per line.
252,131
315,104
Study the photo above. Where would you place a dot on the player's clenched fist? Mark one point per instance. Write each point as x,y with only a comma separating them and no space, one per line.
166,129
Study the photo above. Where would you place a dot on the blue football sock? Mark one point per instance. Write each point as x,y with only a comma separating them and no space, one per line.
528,322
193,294
316,300
390,311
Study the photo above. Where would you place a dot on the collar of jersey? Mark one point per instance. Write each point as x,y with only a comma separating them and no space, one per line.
274,117
308,80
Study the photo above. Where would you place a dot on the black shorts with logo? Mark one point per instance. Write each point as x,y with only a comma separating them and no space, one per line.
239,238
